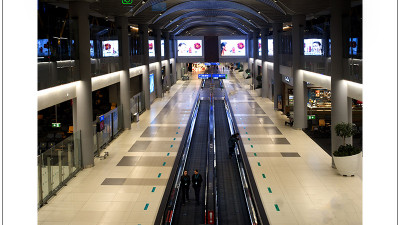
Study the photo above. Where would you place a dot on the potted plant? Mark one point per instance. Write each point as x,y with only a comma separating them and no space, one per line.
347,157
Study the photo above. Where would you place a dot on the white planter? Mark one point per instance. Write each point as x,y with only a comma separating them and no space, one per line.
258,92
347,165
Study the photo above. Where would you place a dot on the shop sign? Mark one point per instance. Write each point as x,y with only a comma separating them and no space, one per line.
55,124
287,79
311,117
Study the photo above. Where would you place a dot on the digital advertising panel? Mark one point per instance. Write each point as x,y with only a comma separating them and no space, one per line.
313,47
353,46
270,47
162,48
190,47
91,49
233,47
151,78
110,48
43,47
152,51
259,47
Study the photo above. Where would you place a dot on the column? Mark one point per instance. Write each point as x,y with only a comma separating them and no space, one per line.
167,79
124,79
264,56
299,86
158,78
173,47
338,84
250,54
84,112
256,35
277,89
144,36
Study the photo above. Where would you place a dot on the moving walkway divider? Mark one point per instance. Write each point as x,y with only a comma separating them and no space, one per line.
171,193
211,179
253,200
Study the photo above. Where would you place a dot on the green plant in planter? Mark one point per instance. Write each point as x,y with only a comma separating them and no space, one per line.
247,71
346,130
241,70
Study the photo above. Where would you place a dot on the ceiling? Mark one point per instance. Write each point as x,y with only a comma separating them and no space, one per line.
207,17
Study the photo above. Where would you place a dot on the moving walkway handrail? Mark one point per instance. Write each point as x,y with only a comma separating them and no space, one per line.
244,178
173,197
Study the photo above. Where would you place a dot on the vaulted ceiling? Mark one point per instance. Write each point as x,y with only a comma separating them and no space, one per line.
205,17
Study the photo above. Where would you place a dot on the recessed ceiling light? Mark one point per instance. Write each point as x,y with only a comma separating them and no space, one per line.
259,12
160,14
143,2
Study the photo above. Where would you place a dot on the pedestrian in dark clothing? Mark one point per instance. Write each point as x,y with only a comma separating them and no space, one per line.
196,182
185,184
232,141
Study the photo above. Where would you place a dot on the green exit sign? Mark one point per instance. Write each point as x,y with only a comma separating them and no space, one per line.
56,125
311,117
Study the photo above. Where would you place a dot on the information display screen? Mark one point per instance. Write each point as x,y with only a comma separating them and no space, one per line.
233,47
151,77
110,48
270,47
190,47
162,48
313,47
152,51
43,47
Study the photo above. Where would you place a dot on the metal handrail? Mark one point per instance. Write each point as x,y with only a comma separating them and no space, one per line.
244,179
176,187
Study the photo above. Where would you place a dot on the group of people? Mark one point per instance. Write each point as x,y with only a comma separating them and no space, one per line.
196,183
196,177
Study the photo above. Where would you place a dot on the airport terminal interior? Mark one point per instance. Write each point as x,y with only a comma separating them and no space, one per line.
264,98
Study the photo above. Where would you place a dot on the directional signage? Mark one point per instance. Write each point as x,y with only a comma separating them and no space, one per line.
55,124
214,76
311,117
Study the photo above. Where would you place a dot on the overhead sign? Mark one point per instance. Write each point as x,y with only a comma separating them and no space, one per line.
311,117
214,76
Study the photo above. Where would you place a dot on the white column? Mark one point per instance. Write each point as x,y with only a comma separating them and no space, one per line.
80,12
158,78
144,36
299,86
277,30
124,80
255,56
338,84
264,56
173,47
167,57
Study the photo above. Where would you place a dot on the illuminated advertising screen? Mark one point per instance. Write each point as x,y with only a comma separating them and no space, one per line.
151,77
259,47
162,48
110,48
190,47
43,47
233,47
270,47
353,46
313,47
152,51
91,49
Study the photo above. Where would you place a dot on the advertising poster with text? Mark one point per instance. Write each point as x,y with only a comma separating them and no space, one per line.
190,47
233,48
152,51
312,46
110,48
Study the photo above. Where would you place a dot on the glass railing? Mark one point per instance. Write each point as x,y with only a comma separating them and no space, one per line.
57,165
113,124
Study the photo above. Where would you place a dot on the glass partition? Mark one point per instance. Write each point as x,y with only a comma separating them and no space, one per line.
57,165
105,128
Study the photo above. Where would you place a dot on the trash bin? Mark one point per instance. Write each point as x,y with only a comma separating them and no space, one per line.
136,117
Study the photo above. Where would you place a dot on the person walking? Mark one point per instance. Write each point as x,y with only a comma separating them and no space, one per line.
231,142
185,184
196,182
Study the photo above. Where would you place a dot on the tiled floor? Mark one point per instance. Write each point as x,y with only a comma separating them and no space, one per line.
293,174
